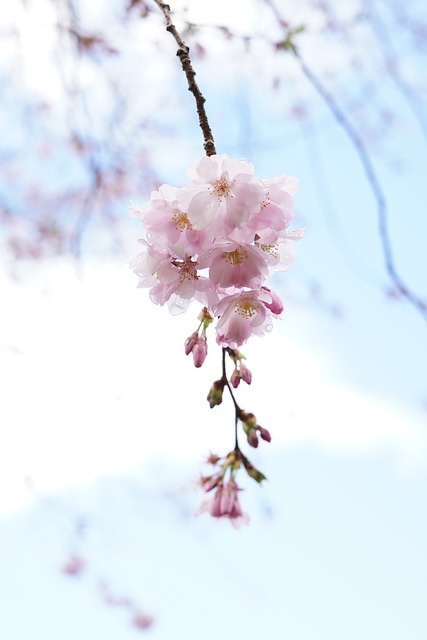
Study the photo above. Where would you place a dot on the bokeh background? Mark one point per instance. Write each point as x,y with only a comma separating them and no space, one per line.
103,420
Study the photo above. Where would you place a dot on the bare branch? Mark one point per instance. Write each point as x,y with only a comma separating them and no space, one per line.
370,174
391,61
187,67
374,183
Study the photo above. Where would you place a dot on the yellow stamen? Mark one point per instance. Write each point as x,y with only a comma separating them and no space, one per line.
266,201
222,189
271,249
246,308
235,257
181,221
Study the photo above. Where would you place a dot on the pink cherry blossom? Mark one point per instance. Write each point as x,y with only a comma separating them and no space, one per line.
234,264
223,193
171,277
275,213
167,224
161,215
225,504
240,316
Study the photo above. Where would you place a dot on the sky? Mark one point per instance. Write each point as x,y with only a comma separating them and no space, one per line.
105,426
94,383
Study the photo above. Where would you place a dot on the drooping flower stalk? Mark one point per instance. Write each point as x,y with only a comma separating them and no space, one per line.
217,240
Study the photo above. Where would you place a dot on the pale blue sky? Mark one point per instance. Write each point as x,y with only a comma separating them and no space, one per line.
112,432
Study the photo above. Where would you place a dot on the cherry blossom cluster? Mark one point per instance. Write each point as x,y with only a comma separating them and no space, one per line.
221,484
216,240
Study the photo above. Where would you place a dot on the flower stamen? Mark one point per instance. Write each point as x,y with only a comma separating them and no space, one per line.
187,268
235,257
246,308
271,249
222,188
181,221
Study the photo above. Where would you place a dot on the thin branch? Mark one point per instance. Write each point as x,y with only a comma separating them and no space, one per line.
370,174
237,409
391,60
187,67
374,183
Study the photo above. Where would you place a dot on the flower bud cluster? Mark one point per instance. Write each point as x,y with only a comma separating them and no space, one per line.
198,344
224,502
241,372
250,427
216,240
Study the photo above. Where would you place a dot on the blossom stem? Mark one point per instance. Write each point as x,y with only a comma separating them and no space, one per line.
237,409
187,67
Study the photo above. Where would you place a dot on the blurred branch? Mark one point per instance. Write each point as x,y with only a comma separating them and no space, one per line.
87,209
391,60
373,182
368,167
183,55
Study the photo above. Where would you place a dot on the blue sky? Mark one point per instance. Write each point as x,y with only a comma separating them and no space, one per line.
106,415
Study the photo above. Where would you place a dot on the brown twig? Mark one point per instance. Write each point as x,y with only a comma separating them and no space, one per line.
187,67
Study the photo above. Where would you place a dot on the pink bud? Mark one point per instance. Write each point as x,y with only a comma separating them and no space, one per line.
235,379
265,435
190,342
276,305
200,351
252,439
245,374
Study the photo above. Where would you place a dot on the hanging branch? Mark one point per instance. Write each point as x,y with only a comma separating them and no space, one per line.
237,299
209,145
187,67
376,188
368,167
391,62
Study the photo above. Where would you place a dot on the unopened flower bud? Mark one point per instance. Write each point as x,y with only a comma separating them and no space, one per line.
215,393
200,350
190,342
245,374
213,459
252,438
249,420
235,378
276,305
265,435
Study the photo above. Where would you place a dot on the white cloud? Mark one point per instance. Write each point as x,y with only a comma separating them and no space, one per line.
95,379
